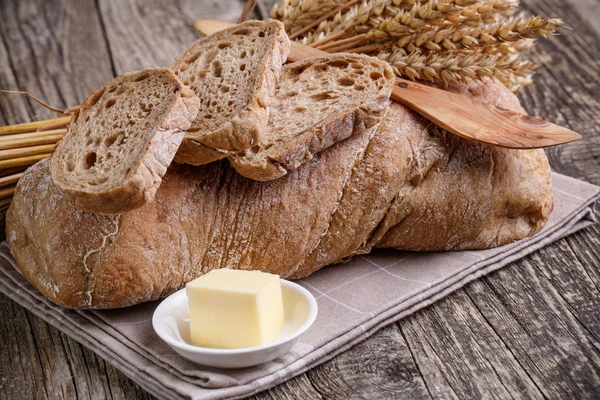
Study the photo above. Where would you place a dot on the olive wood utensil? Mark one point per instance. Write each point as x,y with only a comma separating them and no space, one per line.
461,115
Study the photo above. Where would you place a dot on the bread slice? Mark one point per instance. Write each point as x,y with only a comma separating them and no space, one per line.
121,141
319,102
234,72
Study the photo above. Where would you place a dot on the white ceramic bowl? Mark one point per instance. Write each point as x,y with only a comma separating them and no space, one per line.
172,324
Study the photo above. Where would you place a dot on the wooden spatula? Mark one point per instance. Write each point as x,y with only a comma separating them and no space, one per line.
461,115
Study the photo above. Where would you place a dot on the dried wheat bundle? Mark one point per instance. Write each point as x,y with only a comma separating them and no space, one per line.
446,40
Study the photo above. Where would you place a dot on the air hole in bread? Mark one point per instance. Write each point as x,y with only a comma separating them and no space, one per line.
241,32
224,45
207,116
321,96
202,74
97,142
224,89
193,58
110,103
141,77
244,54
88,132
95,99
112,89
109,141
359,87
89,142
340,64
230,103
146,107
261,34
321,67
70,167
209,56
90,160
375,75
299,69
300,109
345,81
216,68
242,67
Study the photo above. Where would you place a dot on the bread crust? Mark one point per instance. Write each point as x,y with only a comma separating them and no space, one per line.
463,195
242,130
400,189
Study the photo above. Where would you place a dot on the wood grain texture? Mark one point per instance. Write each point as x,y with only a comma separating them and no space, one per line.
531,330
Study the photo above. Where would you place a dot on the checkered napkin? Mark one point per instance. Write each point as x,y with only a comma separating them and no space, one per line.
355,300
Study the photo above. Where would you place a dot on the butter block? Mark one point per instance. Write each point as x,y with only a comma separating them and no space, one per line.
234,309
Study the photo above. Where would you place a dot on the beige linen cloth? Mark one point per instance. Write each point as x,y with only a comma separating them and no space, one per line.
355,300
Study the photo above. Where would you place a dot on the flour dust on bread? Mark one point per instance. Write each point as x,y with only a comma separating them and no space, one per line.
319,102
234,72
119,144
410,186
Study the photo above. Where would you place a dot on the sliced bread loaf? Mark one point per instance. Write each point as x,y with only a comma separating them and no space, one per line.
234,72
120,143
319,101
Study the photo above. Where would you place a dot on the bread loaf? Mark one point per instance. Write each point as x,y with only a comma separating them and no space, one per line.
407,186
121,141
234,72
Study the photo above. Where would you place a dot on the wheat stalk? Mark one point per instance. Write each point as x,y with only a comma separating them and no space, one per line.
445,40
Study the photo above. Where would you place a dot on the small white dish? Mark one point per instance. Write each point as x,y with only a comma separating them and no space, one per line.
172,324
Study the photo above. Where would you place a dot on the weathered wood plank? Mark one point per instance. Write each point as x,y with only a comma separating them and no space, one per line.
298,388
532,317
380,368
152,33
56,49
567,88
460,356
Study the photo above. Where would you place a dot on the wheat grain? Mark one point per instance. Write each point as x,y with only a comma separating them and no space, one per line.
446,40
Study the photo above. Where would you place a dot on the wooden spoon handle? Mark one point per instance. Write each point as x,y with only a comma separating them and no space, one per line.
462,115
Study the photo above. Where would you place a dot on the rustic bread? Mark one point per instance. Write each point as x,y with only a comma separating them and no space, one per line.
346,200
202,218
436,191
121,141
319,101
234,72
467,195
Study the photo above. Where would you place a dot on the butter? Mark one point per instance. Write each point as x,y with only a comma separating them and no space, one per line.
234,309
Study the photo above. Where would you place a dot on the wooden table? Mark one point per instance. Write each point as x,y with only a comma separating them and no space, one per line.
530,330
